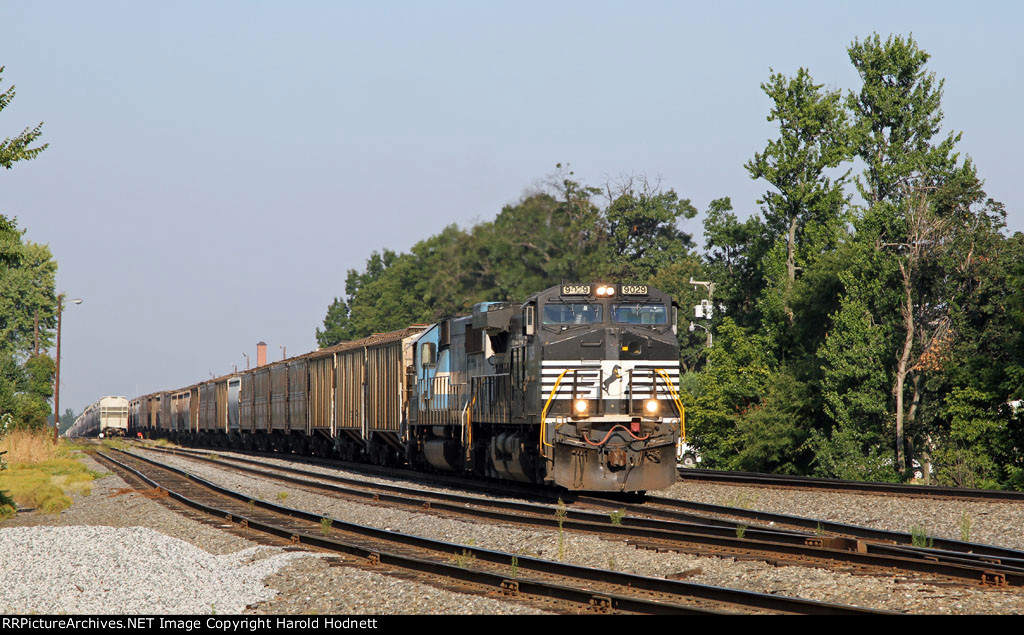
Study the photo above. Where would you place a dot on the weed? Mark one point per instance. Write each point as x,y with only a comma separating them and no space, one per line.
282,496
965,526
114,444
819,530
252,505
560,514
465,559
741,530
743,501
515,567
612,564
616,516
919,537
325,525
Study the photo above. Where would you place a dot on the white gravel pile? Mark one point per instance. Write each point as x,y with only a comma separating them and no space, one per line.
91,570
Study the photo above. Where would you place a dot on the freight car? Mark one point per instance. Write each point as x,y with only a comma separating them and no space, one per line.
575,386
107,417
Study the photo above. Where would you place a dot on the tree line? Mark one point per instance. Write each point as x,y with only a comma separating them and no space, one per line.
28,302
867,319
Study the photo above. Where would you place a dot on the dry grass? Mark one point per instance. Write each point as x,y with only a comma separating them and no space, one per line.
40,474
27,446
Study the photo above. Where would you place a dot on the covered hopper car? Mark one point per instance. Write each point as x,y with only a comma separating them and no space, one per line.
107,417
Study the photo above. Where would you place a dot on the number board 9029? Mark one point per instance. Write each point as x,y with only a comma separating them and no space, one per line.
575,289
634,289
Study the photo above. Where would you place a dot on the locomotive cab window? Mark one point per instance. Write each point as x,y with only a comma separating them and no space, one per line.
572,313
637,313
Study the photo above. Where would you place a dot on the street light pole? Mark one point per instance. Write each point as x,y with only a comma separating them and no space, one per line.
706,306
56,386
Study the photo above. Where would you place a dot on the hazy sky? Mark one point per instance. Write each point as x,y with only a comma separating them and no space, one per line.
215,168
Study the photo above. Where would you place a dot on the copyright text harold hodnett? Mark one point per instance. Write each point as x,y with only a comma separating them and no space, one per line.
223,624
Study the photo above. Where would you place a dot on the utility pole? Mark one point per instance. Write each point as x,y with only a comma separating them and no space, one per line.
56,386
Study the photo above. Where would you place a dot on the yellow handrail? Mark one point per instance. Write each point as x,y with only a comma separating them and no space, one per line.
544,413
677,400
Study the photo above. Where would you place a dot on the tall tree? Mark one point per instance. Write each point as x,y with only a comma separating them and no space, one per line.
806,205
897,116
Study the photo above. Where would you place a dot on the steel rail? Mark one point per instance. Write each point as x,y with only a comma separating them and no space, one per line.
806,548
977,550
870,487
419,498
667,508
674,588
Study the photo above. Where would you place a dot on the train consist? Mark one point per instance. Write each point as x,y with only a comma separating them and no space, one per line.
575,387
108,417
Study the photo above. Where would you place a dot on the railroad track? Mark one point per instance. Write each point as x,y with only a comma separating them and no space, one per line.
559,586
688,533
837,485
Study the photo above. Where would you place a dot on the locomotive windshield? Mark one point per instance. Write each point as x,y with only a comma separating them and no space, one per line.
572,313
636,313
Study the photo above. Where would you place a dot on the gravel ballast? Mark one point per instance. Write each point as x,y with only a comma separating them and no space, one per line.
905,593
131,554
81,569
314,585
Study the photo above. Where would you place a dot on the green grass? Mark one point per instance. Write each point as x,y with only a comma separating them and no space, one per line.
41,475
919,537
46,485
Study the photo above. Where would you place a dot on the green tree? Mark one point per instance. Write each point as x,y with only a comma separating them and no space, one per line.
805,209
13,149
27,294
27,275
907,220
735,254
642,221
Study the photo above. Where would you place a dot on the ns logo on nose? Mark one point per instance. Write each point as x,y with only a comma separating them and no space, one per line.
612,376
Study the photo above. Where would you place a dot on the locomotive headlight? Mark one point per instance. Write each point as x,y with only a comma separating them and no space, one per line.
651,406
605,291
580,407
